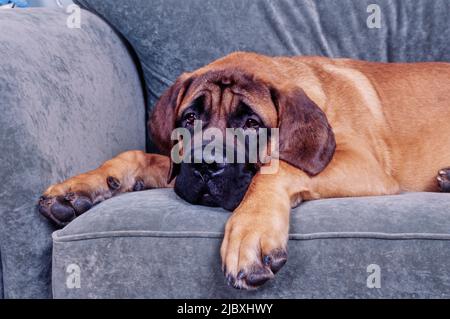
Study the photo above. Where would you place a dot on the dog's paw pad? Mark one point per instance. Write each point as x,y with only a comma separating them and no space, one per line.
63,209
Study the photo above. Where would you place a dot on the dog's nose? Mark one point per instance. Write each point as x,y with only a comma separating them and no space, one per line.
209,165
209,169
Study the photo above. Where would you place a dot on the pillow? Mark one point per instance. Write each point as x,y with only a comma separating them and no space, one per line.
173,36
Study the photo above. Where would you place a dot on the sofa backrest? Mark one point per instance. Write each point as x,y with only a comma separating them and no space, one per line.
172,36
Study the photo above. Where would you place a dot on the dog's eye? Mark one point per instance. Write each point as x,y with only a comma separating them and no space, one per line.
251,124
190,118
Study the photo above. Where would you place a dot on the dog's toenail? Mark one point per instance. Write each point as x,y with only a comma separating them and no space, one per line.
259,277
139,186
113,183
267,260
241,275
230,280
439,178
69,196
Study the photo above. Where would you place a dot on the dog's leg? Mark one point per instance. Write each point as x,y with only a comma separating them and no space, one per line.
129,171
256,235
254,245
443,179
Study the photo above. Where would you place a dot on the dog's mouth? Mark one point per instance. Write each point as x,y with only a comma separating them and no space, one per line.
207,199
225,190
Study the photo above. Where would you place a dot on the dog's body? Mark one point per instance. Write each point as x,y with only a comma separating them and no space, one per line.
363,129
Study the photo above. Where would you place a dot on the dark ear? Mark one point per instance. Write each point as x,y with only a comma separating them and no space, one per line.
163,117
306,138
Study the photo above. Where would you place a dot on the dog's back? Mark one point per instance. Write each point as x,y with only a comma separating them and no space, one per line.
401,109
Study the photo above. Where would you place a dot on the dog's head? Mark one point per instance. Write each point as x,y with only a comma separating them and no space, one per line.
231,93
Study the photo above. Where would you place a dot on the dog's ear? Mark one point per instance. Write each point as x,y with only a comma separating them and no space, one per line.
306,138
162,119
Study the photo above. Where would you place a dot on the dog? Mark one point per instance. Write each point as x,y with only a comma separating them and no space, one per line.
346,128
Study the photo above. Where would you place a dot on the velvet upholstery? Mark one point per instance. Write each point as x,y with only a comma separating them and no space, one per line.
152,244
69,100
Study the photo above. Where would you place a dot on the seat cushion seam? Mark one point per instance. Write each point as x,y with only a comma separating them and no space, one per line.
294,236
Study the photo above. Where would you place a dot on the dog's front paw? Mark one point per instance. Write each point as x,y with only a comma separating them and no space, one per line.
63,208
63,202
443,179
254,249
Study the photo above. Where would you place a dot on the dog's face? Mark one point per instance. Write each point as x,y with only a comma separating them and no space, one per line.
234,98
221,100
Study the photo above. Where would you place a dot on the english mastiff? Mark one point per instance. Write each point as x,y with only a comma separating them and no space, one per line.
346,128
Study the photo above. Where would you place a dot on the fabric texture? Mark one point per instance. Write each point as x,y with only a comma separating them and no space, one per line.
152,244
70,99
173,36
1,278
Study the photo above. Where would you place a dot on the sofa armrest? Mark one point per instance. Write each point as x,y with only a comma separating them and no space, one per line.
69,100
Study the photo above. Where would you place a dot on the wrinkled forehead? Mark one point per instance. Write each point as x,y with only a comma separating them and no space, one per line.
227,88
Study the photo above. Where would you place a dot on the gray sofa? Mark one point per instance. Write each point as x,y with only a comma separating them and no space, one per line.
72,98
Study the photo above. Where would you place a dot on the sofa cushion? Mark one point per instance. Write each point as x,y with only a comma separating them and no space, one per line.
152,244
173,36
